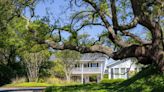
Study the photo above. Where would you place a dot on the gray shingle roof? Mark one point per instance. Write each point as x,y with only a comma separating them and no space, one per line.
93,56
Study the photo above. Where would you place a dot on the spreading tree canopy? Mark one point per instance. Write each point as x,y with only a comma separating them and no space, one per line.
107,13
118,18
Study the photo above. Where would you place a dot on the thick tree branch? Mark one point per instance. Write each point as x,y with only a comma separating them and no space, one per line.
114,14
115,21
125,27
112,35
82,49
137,51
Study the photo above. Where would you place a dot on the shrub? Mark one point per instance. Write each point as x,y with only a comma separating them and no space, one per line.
58,82
6,74
105,76
19,80
54,80
105,80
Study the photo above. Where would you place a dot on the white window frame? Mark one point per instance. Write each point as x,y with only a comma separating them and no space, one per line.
123,73
116,74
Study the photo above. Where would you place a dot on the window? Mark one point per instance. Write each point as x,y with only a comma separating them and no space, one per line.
97,64
77,65
94,64
116,72
86,65
123,73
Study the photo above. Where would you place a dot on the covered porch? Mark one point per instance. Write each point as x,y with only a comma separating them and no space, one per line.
87,78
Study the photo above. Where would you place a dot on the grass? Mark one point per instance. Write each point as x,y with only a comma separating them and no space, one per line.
28,84
52,81
148,80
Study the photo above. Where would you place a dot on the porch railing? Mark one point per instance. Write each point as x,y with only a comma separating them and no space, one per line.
86,70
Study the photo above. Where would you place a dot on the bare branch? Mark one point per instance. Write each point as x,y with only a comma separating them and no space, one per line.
137,38
89,24
97,40
128,26
77,14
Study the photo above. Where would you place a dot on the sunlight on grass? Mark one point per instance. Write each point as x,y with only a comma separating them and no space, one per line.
35,84
28,84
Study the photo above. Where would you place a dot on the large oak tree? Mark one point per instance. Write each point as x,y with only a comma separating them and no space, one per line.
106,13
147,13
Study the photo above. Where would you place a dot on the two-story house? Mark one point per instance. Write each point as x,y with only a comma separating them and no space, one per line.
90,68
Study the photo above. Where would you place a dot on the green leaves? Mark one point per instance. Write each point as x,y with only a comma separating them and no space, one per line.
104,7
68,55
39,29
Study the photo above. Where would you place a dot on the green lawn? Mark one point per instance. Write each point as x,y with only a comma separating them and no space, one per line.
148,80
27,84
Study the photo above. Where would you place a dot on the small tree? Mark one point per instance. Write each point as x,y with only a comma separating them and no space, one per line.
67,60
33,62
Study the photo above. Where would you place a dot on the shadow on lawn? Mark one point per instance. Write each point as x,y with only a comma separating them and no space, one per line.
149,79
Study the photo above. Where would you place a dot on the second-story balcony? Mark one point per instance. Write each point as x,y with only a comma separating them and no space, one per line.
87,70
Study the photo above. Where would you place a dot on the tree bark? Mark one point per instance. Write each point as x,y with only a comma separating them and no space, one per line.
68,77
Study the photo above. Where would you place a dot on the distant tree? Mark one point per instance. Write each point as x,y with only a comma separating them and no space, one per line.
67,60
46,69
33,62
10,66
14,37
58,70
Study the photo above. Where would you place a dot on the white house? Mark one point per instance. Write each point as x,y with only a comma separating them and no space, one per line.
92,67
122,68
89,69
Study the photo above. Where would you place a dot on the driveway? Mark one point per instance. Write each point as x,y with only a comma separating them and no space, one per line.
29,89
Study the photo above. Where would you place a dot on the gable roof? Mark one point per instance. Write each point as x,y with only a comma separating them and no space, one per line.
115,62
86,57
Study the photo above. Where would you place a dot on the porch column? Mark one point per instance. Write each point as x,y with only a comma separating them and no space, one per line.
82,72
101,66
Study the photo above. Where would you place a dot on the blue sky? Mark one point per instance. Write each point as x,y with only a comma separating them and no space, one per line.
56,10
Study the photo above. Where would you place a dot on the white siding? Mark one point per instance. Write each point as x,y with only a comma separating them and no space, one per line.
123,69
